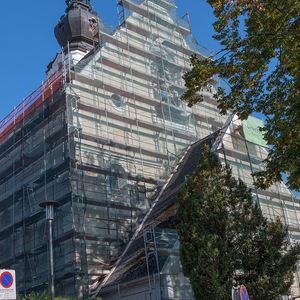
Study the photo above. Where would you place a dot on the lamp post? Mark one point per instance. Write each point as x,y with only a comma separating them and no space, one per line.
49,205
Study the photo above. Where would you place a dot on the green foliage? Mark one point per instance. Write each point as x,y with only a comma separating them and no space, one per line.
225,240
36,296
46,296
260,59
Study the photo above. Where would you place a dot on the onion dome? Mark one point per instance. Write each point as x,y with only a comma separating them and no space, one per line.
75,26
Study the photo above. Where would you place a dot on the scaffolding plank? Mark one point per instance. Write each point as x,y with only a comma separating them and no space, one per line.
141,124
140,98
48,91
9,199
184,50
234,154
171,45
28,160
58,136
117,205
150,78
133,49
208,120
138,9
59,168
165,4
7,142
182,30
165,23
141,52
123,146
103,239
140,30
56,241
85,80
114,65
210,100
130,176
134,72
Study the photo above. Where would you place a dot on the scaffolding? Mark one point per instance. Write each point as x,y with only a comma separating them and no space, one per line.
152,269
174,285
151,251
134,126
101,136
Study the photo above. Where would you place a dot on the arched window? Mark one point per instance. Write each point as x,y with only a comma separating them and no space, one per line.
120,103
118,180
118,185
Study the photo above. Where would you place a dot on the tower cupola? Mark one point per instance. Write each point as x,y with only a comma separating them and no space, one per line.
75,26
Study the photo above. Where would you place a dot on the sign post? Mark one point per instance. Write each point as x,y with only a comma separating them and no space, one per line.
50,217
240,293
8,284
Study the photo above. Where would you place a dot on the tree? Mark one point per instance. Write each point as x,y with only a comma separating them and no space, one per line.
260,59
225,240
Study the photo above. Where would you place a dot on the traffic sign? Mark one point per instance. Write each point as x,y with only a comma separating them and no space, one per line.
7,284
6,280
243,293
240,293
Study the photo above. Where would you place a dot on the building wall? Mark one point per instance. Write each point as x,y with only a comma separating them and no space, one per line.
130,137
100,139
135,290
35,167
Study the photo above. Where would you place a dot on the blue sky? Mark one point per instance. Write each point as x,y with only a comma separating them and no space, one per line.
28,43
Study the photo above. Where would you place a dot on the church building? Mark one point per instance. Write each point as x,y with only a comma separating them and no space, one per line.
105,135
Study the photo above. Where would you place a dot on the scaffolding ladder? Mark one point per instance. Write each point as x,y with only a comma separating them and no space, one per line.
150,249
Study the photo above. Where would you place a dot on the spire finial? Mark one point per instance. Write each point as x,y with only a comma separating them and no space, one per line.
71,4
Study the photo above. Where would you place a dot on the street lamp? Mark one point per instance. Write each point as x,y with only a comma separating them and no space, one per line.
49,205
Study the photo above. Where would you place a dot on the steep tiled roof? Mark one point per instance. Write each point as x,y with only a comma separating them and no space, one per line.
123,270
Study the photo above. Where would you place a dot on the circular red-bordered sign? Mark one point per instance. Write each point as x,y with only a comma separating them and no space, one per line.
6,280
243,293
